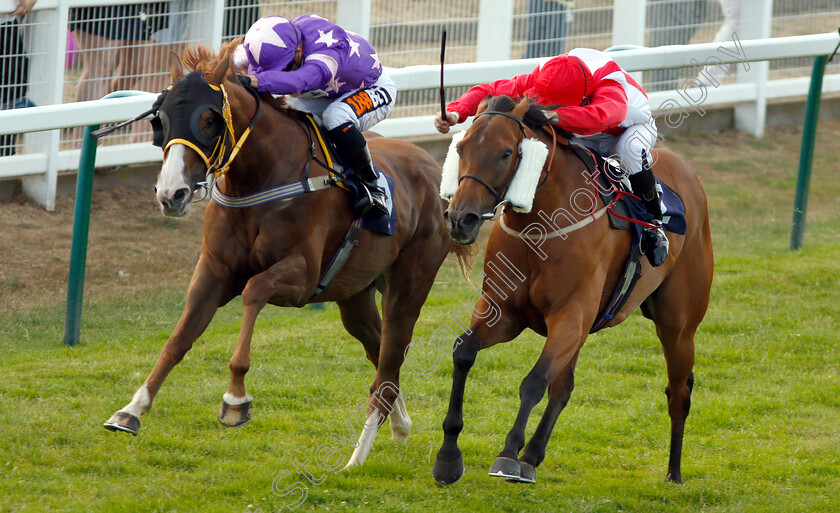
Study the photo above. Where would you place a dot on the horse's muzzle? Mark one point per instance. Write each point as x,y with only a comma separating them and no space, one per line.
463,226
174,203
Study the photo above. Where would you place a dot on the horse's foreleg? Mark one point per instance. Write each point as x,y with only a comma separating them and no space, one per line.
565,337
283,283
205,294
449,463
489,326
559,392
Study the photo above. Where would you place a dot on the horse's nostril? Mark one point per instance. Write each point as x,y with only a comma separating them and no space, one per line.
179,195
470,220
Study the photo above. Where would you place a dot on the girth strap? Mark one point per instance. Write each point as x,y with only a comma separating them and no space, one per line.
340,258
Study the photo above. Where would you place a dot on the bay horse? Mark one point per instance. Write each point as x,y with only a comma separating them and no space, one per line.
275,252
558,285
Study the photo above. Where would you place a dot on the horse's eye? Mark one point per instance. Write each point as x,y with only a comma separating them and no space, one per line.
507,154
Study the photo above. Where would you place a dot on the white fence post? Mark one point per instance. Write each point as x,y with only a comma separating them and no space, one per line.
755,23
628,26
46,76
495,30
354,15
205,23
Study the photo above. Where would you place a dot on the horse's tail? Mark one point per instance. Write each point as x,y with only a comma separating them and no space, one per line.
465,255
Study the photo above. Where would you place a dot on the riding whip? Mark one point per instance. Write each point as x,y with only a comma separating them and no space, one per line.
102,132
442,91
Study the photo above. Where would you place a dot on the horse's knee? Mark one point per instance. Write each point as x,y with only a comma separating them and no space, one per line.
175,350
464,355
533,388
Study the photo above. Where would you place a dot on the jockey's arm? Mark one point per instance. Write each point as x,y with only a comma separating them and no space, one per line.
310,76
606,110
467,104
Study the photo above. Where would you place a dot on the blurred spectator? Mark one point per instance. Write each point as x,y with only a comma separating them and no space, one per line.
14,68
672,22
547,27
109,39
731,14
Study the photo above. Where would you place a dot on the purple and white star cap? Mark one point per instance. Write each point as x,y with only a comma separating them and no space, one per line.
271,41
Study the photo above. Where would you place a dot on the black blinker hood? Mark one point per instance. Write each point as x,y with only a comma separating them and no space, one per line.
180,108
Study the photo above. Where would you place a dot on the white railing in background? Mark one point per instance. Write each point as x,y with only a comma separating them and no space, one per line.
480,59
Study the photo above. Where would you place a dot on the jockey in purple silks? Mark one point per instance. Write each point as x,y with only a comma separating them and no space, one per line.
329,72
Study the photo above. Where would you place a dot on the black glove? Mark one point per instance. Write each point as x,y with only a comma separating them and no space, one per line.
245,80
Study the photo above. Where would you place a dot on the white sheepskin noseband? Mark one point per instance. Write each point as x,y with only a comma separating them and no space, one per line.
520,194
523,187
449,177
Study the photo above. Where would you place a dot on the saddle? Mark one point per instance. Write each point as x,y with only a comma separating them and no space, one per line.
346,179
626,212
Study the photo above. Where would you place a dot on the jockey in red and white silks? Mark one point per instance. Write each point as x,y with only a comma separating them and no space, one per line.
601,105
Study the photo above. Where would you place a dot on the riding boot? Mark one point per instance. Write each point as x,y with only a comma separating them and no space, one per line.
352,147
654,240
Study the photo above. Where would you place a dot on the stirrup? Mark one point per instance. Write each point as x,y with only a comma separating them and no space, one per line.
656,244
372,202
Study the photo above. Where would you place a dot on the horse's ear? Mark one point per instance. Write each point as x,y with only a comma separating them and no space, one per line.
217,76
175,68
482,105
522,108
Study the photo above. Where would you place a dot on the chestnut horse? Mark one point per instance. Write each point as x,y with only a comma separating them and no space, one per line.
558,285
276,252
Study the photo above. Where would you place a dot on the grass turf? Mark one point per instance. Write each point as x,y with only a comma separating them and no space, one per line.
762,434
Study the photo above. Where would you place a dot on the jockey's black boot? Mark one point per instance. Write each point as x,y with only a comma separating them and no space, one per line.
352,147
654,239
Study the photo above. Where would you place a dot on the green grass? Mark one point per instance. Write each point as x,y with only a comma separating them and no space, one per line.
763,434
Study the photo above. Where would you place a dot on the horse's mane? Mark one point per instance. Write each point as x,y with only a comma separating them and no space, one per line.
534,119
202,58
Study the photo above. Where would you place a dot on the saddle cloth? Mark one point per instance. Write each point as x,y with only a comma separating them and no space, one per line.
386,224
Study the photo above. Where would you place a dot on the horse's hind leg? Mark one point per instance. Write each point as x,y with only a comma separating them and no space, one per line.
283,283
410,279
559,392
677,308
205,295
360,317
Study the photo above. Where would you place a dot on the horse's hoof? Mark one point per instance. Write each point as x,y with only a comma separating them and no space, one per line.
505,467
122,421
447,472
527,473
235,415
674,478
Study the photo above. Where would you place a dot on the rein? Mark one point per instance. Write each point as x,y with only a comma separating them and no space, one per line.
289,190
